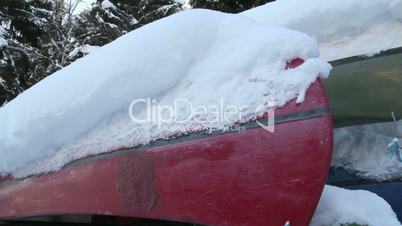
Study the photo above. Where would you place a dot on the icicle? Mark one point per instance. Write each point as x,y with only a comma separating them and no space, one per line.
394,148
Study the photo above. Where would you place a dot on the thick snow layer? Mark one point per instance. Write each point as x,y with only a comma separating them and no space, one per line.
363,149
343,29
339,206
203,56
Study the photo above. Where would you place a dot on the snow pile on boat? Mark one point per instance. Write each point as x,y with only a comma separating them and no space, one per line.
343,29
340,206
205,57
363,149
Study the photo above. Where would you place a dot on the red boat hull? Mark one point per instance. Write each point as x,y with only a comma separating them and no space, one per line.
251,177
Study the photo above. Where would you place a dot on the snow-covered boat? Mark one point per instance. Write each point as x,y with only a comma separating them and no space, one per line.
252,177
245,177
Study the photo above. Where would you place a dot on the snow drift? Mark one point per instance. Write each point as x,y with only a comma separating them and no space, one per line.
343,29
198,55
340,206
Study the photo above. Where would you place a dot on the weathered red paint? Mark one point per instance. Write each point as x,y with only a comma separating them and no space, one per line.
249,178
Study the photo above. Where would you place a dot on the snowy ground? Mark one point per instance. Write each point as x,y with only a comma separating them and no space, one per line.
340,206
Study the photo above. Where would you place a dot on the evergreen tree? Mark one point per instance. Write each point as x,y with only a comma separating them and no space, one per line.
103,23
21,23
39,36
109,19
59,41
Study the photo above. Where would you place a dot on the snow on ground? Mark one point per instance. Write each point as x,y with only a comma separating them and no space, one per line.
206,57
343,29
340,206
362,149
